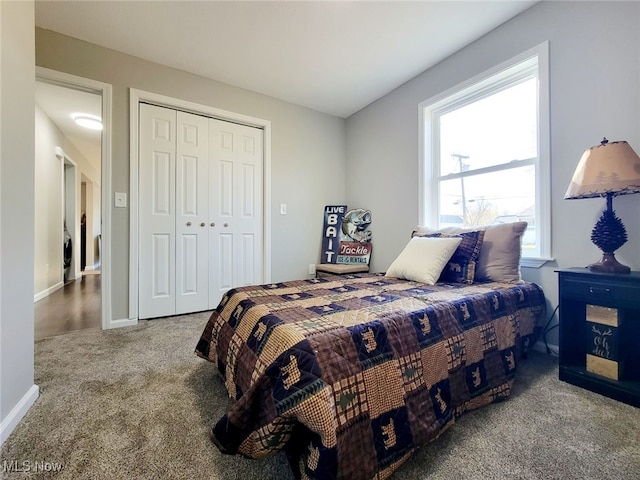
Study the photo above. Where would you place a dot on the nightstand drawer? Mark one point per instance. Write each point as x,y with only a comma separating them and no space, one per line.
602,293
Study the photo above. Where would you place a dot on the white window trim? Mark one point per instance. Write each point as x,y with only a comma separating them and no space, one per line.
428,198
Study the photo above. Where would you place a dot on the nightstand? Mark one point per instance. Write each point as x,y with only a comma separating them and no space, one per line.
339,269
599,332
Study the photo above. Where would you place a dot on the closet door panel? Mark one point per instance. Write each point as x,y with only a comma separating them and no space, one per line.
192,213
222,182
250,204
161,273
222,166
156,238
247,268
223,273
236,206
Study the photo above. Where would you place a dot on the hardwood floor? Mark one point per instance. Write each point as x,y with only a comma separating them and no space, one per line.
76,306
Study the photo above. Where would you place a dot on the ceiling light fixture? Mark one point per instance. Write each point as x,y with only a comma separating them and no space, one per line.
87,120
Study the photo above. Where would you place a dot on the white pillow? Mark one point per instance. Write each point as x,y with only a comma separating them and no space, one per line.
423,259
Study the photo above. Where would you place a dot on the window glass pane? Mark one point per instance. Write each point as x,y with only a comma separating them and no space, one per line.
491,198
491,131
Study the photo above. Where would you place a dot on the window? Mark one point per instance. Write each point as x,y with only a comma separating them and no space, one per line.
485,151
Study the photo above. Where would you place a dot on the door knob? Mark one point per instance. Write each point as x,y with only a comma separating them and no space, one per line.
213,224
202,224
188,224
226,224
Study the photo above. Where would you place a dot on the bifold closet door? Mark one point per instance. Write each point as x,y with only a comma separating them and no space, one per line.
173,213
200,210
236,206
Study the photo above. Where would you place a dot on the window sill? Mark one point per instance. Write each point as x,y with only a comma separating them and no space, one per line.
534,262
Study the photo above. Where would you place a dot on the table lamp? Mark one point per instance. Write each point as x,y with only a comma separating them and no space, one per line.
607,170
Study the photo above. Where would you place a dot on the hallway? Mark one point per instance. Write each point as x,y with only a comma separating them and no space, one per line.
76,306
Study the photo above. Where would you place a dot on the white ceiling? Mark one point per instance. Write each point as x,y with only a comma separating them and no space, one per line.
332,56
59,103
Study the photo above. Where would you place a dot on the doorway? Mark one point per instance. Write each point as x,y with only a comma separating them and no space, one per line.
71,267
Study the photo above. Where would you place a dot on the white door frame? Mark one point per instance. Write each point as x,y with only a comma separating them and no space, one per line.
104,90
135,98
71,176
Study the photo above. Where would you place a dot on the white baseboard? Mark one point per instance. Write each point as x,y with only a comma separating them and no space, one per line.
123,322
47,292
11,421
539,346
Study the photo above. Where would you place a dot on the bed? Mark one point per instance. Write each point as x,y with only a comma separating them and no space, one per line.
349,375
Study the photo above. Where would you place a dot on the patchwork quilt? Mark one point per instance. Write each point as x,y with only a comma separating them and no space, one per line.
349,375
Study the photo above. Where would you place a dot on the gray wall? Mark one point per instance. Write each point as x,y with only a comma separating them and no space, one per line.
595,92
17,86
307,156
48,206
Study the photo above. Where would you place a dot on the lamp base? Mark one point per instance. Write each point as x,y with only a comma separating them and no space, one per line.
609,264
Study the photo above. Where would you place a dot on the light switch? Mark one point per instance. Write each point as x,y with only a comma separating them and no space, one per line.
121,199
283,209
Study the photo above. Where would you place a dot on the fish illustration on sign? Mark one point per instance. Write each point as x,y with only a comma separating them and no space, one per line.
355,223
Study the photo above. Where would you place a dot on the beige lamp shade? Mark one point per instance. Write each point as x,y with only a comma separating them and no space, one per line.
609,168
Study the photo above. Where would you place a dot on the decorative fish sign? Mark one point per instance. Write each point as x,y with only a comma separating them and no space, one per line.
355,223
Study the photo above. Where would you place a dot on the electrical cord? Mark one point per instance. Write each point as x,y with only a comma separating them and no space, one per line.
547,329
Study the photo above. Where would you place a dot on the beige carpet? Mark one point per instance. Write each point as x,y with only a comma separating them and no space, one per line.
136,403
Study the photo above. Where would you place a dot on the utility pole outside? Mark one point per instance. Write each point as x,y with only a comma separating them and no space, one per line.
463,168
